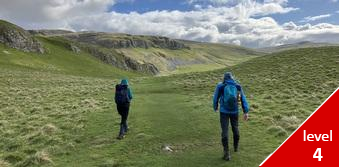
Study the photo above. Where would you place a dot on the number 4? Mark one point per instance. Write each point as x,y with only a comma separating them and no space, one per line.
317,154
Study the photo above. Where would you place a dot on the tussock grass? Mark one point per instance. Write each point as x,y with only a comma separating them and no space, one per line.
41,157
44,111
49,129
277,131
4,163
50,118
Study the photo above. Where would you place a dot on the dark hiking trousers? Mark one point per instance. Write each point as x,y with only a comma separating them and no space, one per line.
123,110
224,121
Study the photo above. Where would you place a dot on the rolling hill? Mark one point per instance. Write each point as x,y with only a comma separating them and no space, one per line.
299,45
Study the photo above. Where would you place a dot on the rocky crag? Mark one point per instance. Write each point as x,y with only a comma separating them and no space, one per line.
118,41
122,61
105,46
18,38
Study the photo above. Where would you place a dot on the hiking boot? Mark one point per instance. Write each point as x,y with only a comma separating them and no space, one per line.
120,137
226,156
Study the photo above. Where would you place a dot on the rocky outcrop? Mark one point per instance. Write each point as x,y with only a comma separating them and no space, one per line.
16,37
75,49
155,42
122,61
49,32
141,67
164,42
118,41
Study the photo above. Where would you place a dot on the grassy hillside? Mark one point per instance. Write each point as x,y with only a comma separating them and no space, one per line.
167,55
299,45
59,58
5,26
53,119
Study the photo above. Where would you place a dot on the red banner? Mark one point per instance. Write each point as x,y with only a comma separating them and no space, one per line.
314,143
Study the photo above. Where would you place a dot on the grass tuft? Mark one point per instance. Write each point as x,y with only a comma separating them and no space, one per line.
49,129
4,163
41,157
277,131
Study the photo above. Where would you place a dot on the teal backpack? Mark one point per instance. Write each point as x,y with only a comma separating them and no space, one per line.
230,94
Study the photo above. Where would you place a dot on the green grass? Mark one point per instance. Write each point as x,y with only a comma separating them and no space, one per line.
68,118
4,26
196,68
164,59
206,55
59,59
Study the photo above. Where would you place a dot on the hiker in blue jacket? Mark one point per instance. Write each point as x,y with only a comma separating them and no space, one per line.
228,94
123,97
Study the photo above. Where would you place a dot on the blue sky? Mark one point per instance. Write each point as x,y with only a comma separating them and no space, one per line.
249,23
311,8
143,6
306,8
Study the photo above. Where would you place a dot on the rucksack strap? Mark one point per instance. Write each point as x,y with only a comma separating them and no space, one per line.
221,90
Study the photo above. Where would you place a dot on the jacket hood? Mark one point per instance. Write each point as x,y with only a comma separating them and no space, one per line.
228,76
124,82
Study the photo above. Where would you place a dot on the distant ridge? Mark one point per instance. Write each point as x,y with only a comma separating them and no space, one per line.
302,44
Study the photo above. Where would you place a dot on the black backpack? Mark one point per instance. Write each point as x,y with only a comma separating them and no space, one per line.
121,94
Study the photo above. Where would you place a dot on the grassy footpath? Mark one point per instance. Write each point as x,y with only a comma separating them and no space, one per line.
56,119
164,116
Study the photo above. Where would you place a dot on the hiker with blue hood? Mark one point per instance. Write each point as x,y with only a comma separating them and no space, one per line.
123,97
226,97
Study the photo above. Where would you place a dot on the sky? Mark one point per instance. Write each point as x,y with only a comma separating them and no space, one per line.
249,23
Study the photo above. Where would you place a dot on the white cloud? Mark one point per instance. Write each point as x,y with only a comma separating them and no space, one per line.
276,1
334,1
232,2
226,24
314,18
213,2
42,11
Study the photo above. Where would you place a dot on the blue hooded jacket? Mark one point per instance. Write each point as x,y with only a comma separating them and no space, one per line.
125,82
217,98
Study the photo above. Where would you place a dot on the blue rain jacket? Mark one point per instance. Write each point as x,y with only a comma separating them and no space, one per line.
218,98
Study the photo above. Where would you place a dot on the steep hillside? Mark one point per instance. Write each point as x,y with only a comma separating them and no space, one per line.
16,37
58,58
283,88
